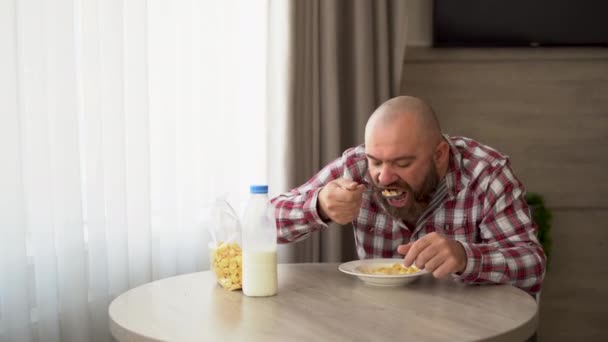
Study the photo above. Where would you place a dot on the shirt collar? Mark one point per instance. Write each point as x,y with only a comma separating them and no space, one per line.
454,177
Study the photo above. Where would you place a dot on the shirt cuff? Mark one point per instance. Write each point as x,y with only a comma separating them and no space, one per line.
474,261
311,207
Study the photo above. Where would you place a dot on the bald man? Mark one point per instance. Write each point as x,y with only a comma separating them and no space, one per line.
450,205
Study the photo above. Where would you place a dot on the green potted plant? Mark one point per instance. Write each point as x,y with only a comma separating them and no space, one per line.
542,217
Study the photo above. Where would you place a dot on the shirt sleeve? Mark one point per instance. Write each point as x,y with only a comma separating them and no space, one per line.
296,211
509,252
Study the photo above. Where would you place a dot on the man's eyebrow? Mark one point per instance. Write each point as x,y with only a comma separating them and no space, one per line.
400,158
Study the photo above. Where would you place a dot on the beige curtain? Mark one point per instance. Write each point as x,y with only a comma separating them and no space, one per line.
345,59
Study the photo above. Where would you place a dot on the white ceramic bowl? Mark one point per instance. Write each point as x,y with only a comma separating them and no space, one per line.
355,268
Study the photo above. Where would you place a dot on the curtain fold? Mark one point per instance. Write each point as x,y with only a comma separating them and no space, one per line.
13,258
345,59
120,123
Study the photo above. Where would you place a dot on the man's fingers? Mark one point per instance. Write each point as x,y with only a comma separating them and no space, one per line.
430,252
344,212
341,208
402,249
347,196
351,186
434,263
341,200
346,217
416,249
444,269
346,184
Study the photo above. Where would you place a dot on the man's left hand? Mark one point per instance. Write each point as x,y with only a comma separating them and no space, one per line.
435,253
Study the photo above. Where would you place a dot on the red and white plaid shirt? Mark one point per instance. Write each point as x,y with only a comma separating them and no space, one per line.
479,203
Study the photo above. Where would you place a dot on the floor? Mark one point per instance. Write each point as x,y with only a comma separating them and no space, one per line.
548,110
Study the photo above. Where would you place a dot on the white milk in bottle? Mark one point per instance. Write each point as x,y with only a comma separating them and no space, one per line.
259,245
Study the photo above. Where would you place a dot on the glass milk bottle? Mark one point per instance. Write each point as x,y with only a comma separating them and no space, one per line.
259,241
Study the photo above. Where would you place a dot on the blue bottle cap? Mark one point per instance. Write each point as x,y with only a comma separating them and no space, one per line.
258,189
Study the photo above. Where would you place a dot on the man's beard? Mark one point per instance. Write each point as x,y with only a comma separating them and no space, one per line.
419,200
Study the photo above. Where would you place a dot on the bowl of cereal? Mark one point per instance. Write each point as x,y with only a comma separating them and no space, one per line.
382,272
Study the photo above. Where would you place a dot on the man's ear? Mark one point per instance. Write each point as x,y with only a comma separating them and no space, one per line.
442,153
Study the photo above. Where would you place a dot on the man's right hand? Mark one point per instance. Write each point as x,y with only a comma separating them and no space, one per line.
340,200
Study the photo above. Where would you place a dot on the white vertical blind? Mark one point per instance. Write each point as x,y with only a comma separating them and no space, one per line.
120,121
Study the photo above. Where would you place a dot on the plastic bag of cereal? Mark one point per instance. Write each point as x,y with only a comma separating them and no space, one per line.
225,254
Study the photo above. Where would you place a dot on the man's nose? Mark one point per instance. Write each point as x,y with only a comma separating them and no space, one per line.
386,176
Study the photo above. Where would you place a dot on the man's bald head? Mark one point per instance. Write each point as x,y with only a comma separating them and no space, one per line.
416,116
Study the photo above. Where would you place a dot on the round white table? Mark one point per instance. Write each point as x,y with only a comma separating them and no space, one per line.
318,302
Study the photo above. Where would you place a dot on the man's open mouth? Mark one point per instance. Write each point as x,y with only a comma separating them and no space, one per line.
392,193
395,197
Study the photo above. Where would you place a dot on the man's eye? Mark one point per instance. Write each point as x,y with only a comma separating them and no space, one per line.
403,165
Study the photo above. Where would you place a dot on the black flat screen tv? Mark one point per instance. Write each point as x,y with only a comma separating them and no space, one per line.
481,23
